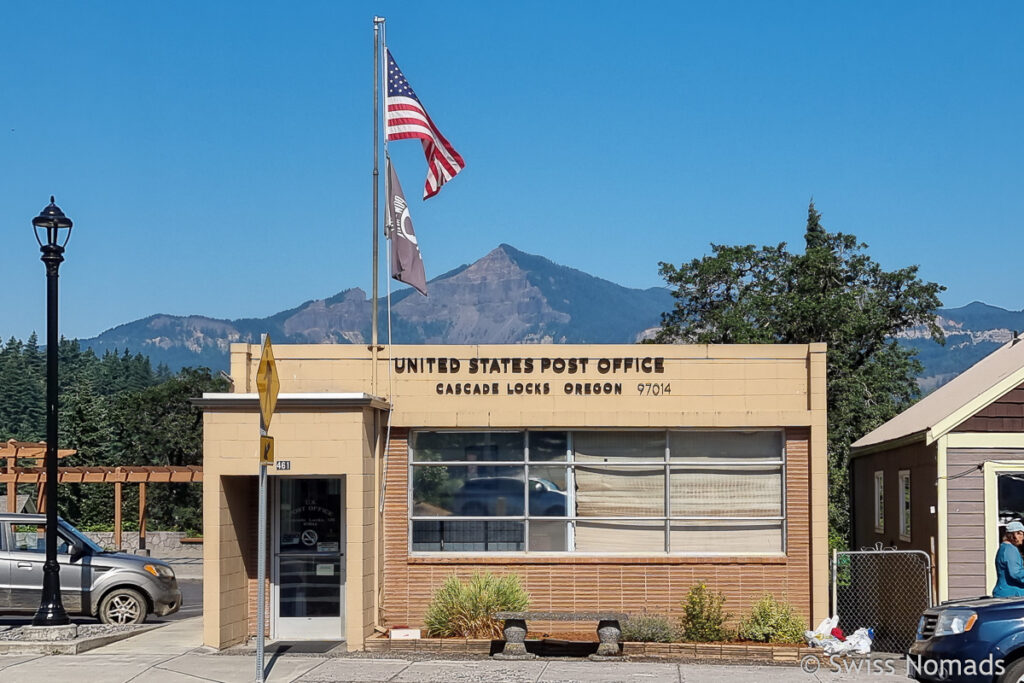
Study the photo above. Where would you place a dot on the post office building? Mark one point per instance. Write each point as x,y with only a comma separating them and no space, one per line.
605,476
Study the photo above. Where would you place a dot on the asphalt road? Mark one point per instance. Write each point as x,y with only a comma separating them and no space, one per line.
191,602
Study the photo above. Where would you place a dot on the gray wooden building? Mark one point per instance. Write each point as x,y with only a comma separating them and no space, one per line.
947,473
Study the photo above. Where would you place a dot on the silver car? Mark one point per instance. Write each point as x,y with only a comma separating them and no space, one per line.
117,588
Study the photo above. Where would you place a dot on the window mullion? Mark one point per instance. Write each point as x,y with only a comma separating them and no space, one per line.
570,460
785,488
526,491
668,495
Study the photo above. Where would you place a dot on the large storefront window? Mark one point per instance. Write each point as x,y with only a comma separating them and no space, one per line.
603,492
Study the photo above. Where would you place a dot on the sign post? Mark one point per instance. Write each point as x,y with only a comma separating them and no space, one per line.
268,384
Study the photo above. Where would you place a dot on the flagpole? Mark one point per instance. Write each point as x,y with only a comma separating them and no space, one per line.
378,23
387,183
384,76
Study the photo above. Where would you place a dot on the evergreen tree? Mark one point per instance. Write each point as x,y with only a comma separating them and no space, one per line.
834,293
34,356
114,411
160,426
23,398
163,373
85,426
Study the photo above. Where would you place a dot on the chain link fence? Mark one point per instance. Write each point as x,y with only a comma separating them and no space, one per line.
882,589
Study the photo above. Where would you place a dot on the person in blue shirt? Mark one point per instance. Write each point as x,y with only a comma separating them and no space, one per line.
1009,565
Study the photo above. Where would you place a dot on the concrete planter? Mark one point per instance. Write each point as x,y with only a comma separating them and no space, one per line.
757,652
459,645
738,652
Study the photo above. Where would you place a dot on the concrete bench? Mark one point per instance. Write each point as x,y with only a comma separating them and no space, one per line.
608,631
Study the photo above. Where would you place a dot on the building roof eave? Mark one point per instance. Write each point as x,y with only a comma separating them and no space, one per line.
923,435
941,411
229,401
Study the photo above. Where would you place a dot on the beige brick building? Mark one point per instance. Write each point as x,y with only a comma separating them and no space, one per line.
610,477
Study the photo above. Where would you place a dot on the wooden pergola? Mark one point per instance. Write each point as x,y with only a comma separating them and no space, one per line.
12,475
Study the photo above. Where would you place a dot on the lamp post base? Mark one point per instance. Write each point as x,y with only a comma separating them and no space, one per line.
51,615
51,609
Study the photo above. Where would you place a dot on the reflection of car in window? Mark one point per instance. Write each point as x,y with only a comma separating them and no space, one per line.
503,496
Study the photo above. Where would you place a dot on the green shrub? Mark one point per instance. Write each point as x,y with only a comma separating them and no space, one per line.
460,609
648,628
703,619
773,621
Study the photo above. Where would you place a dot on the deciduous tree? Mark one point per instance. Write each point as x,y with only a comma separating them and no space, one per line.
834,293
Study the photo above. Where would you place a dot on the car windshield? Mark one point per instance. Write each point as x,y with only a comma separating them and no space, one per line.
78,535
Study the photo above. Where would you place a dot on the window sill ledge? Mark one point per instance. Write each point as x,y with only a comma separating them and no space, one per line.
521,559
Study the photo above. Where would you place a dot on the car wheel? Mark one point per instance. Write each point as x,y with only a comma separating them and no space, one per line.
1014,672
123,606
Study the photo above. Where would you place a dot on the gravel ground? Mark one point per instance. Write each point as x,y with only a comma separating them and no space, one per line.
84,631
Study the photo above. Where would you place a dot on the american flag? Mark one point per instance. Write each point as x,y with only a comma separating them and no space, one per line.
407,118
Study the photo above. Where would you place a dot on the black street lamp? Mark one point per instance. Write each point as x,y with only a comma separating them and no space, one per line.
56,227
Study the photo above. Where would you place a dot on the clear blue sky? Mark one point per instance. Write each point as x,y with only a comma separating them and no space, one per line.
216,156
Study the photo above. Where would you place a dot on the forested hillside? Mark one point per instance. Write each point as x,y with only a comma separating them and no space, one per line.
115,410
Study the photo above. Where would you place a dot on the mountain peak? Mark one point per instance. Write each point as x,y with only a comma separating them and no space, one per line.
350,294
502,252
508,249
981,308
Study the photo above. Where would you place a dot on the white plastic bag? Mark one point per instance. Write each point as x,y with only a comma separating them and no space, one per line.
860,641
834,646
823,634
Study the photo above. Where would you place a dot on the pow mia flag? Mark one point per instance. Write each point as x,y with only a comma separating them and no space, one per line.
406,261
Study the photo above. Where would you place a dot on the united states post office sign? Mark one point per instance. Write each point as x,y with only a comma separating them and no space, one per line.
647,365
541,376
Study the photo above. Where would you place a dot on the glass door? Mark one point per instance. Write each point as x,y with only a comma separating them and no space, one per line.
309,560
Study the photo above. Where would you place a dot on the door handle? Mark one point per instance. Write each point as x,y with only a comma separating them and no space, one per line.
24,565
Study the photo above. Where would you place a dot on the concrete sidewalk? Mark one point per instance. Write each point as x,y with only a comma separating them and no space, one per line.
174,654
189,668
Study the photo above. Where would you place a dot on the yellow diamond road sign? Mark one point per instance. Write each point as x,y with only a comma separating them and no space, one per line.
266,450
267,382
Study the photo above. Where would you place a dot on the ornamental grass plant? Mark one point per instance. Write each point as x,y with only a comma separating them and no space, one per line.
649,628
460,609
